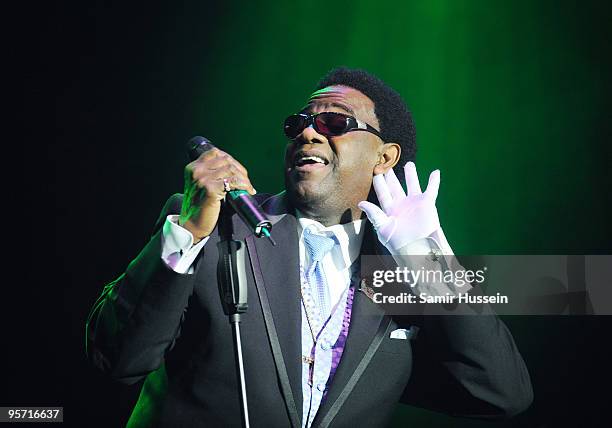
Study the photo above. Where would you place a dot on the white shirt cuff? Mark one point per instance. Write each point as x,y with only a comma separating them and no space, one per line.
178,251
420,247
433,254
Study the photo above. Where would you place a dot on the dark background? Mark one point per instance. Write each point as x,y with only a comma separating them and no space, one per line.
511,101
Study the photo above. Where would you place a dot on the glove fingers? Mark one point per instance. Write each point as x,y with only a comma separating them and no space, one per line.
376,216
395,187
382,192
433,185
412,179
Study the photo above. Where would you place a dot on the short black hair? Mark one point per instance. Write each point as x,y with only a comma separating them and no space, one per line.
396,123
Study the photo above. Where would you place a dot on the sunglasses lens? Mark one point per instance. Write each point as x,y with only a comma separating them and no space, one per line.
294,125
330,123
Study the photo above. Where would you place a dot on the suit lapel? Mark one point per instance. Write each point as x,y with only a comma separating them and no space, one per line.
367,324
276,272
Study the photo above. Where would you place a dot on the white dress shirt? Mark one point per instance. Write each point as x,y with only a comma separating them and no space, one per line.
337,263
179,253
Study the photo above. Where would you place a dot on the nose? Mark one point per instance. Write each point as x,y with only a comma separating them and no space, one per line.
310,136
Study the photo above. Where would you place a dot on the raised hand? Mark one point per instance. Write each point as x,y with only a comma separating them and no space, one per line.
403,218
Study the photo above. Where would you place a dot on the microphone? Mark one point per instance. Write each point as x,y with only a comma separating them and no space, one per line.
246,206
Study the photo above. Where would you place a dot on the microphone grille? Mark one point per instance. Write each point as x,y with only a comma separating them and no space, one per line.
198,145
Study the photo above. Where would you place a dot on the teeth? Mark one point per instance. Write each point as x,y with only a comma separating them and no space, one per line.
311,158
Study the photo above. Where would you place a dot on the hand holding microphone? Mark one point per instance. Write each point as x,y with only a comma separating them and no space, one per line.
208,178
212,177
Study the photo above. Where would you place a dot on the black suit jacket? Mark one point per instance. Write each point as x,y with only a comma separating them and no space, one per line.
152,322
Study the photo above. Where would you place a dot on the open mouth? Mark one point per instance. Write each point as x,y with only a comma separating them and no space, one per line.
306,161
310,160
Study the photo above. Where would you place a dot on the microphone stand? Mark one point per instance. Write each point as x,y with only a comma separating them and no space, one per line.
231,277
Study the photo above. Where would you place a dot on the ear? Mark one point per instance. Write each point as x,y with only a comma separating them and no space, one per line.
388,157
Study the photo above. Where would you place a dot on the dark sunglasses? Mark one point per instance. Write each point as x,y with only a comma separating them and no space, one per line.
330,124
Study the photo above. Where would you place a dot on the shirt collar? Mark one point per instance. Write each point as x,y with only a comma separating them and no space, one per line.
349,235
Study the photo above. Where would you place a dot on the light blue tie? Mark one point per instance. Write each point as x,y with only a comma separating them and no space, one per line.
317,246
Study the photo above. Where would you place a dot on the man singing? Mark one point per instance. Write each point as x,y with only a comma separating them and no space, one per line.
317,350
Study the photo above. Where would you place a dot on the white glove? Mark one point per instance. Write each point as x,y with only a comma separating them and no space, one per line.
403,218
